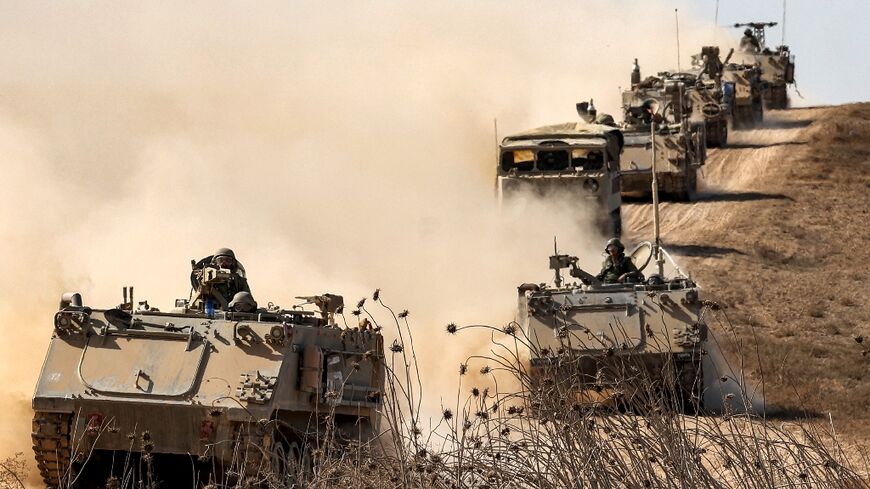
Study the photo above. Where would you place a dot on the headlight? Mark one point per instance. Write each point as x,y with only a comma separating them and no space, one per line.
591,185
523,156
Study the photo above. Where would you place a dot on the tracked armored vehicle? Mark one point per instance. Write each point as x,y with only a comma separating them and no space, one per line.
629,343
575,164
777,65
711,98
235,395
678,145
748,97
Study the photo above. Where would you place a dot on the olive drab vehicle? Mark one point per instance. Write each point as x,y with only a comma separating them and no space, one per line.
748,96
678,146
710,97
777,65
616,342
575,164
238,394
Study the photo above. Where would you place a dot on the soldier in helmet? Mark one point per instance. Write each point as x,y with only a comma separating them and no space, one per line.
225,258
617,267
749,43
222,278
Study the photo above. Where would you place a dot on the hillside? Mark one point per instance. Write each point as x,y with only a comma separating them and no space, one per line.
779,238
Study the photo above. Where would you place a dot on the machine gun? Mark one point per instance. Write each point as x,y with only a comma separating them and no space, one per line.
329,305
757,30
559,261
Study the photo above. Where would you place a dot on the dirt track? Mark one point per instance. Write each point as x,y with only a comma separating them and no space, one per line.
778,235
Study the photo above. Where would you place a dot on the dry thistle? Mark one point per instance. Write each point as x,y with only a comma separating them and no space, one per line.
447,414
451,328
396,347
404,313
510,329
361,303
356,312
376,295
482,414
485,369
475,392
463,368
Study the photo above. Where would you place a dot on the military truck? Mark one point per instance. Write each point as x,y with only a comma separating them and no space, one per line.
575,164
777,65
748,96
632,343
235,394
678,145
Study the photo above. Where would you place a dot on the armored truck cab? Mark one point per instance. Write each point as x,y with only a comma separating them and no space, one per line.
242,391
574,162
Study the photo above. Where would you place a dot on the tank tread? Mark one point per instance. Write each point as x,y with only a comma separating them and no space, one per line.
51,445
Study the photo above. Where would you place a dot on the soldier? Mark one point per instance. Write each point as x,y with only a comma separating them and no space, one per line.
617,267
224,258
749,43
217,279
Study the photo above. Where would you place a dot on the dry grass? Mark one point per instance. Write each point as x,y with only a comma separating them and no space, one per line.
509,429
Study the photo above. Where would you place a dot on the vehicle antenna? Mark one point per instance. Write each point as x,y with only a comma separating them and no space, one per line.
555,264
657,253
497,162
677,17
783,23
715,22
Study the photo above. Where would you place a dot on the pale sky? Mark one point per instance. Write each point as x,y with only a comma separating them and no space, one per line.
830,40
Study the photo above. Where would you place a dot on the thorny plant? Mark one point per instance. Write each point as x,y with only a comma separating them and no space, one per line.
518,428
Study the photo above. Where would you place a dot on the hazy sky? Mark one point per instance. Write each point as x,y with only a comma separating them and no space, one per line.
830,40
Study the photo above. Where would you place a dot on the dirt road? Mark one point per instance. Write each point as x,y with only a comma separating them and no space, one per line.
778,236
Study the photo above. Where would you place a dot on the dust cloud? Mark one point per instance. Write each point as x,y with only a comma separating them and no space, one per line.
337,149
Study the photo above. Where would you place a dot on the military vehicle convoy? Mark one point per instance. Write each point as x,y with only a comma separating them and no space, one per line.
776,65
623,342
238,394
677,144
575,164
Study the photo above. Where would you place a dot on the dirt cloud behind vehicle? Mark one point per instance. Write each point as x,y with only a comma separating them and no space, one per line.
334,149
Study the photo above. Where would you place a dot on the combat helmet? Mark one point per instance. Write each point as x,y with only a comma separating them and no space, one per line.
225,252
614,242
243,302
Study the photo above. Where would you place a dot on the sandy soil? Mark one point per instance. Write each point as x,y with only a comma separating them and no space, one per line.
779,237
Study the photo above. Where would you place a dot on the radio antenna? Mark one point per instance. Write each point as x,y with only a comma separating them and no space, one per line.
716,22
677,17
783,24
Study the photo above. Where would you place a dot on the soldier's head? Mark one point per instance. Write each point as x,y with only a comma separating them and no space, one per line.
614,247
243,302
747,33
225,258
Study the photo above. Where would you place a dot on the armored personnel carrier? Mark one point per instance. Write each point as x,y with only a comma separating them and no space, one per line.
748,97
777,64
711,98
235,390
635,343
656,124
575,163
